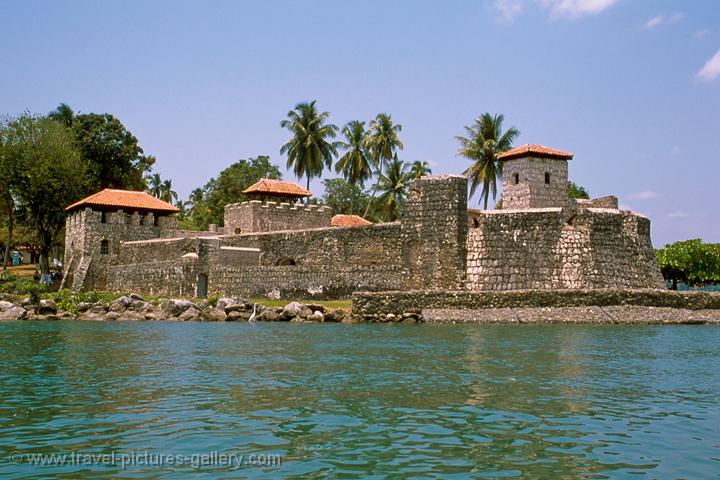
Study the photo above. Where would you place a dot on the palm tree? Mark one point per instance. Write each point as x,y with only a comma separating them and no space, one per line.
64,114
154,185
382,143
392,185
419,169
196,196
484,142
167,194
182,207
309,150
355,164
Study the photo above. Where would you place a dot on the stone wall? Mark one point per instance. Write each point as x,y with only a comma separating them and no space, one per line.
524,183
555,248
434,233
414,302
256,216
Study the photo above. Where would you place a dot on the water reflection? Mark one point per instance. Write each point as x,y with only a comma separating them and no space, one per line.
361,400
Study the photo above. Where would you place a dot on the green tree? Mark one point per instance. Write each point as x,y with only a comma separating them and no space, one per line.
484,142
63,114
690,261
344,197
383,142
209,202
114,157
392,186
309,150
576,191
419,169
183,207
9,173
52,175
355,164
154,185
167,194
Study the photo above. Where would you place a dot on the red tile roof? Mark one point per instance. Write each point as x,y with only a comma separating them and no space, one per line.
348,221
124,199
271,187
539,151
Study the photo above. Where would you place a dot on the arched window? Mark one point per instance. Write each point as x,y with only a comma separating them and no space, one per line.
105,247
516,178
547,178
285,261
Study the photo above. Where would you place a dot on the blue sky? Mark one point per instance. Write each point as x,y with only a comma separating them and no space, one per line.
632,87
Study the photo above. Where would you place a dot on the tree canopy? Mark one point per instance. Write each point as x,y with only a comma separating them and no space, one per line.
345,197
690,261
208,203
576,191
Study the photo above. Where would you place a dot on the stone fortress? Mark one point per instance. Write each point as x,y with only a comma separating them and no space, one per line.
541,240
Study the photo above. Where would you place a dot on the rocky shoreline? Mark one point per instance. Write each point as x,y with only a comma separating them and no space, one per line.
135,308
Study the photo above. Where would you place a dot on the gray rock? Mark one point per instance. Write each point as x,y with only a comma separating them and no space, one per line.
135,296
120,304
47,307
191,314
179,306
12,313
214,315
226,302
238,316
273,314
84,306
5,305
316,316
294,309
131,316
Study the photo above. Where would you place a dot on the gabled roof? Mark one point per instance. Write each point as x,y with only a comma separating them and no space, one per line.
348,221
124,199
537,151
279,188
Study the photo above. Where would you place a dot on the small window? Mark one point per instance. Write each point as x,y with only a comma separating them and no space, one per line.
238,231
285,262
516,178
103,217
156,221
105,247
547,178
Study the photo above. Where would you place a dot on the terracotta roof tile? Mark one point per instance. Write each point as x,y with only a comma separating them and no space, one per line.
124,199
269,186
532,150
348,221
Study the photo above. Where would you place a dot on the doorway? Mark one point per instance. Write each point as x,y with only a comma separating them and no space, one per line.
202,285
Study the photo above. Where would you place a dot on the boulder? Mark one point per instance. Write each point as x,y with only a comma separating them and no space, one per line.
316,316
135,296
84,306
4,305
129,315
47,307
120,304
12,313
272,314
191,314
226,302
337,315
316,307
214,314
238,316
179,306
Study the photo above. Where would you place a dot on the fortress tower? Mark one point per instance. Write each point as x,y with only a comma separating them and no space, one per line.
534,176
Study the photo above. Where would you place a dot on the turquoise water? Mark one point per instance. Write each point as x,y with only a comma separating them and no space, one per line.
360,401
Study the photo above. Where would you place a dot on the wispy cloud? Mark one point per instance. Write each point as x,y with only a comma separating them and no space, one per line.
658,20
653,22
507,10
711,69
682,214
576,8
701,34
644,195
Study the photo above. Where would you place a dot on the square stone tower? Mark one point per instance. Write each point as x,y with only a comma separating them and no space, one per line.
534,176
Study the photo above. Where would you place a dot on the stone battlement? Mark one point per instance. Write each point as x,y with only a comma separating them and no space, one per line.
255,216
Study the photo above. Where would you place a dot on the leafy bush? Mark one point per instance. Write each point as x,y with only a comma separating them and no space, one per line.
213,299
10,283
690,261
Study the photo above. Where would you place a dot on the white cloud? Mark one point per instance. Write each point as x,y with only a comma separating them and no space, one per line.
653,22
675,151
507,10
701,34
644,195
711,69
676,17
682,214
576,8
